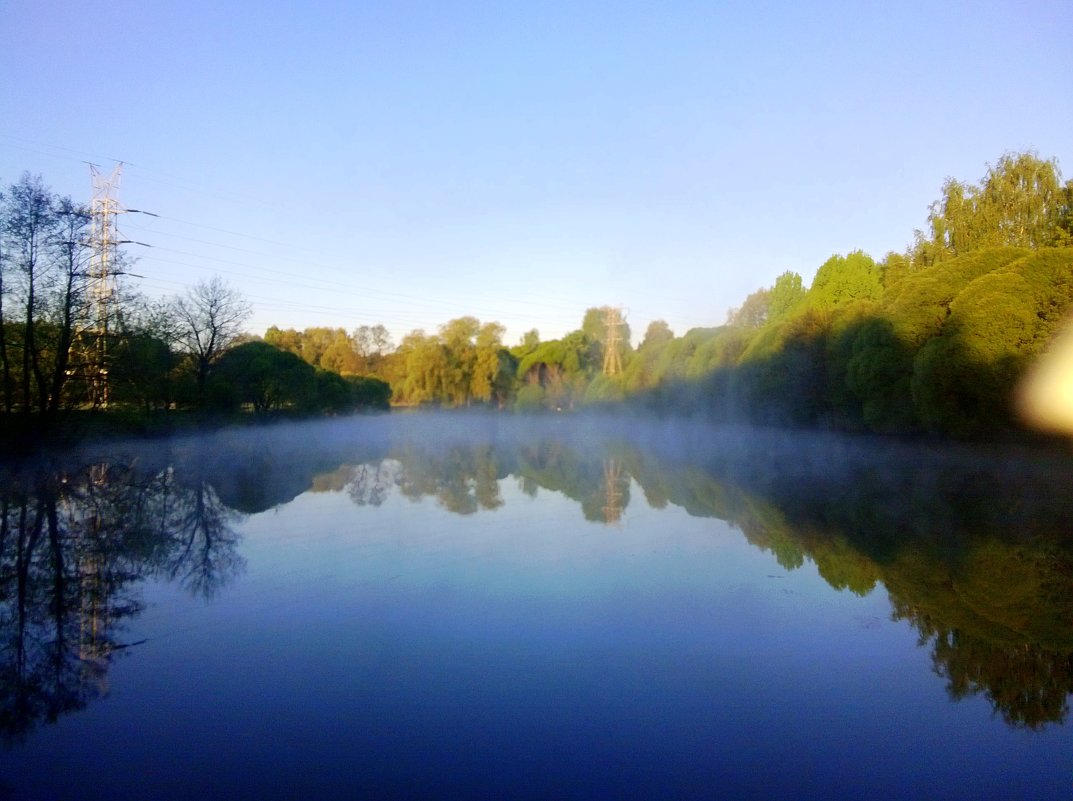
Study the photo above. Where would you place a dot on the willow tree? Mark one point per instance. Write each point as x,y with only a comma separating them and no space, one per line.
459,342
462,364
488,364
561,368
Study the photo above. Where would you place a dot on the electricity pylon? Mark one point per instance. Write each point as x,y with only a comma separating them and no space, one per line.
104,240
612,339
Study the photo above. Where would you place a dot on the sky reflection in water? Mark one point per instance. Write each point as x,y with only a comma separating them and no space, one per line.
530,611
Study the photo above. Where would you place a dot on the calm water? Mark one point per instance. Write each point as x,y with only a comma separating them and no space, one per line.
492,607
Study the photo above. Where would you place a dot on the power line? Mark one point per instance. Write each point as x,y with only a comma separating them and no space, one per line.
233,233
81,154
147,173
548,301
430,305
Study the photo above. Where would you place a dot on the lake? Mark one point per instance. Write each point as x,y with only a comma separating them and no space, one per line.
493,606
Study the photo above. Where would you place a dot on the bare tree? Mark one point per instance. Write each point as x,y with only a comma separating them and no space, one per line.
28,222
209,318
70,307
42,271
372,344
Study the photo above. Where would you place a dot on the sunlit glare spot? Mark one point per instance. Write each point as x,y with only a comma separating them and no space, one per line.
1046,397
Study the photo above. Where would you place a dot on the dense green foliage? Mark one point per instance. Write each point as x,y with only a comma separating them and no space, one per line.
1021,202
935,339
942,350
262,377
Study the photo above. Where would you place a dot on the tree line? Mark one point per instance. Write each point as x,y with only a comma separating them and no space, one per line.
931,339
465,362
73,340
935,339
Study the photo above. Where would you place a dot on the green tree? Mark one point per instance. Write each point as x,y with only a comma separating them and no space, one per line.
641,372
329,349
425,367
144,364
893,268
464,362
458,338
658,333
340,356
368,392
1021,202
529,342
265,378
914,311
487,364
786,293
843,279
141,370
753,313
964,379
288,340
561,367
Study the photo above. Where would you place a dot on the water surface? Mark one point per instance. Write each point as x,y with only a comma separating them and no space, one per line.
487,606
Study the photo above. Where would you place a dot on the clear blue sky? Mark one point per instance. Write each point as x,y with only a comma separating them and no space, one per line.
348,163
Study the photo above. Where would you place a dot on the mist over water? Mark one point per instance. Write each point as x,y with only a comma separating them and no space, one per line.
464,605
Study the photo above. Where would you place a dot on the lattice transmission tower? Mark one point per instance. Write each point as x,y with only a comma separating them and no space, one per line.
612,341
104,241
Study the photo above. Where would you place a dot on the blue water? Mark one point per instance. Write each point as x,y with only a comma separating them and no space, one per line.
403,650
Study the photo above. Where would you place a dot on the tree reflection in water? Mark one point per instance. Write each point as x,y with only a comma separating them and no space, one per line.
1027,683
462,478
200,550
979,561
977,557
74,546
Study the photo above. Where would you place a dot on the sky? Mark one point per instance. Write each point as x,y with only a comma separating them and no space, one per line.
407,163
